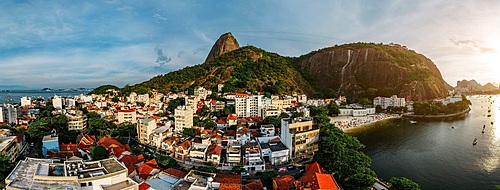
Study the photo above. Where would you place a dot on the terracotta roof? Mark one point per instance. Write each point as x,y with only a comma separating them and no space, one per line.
313,168
175,172
232,117
230,133
324,181
107,142
140,158
129,161
184,144
144,170
221,122
275,140
127,111
19,138
241,94
226,186
214,149
171,140
243,120
228,178
254,185
285,182
144,186
68,147
152,163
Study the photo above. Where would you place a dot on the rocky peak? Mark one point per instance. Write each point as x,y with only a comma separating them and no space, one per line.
224,44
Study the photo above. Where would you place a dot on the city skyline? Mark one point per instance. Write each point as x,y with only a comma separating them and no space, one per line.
63,44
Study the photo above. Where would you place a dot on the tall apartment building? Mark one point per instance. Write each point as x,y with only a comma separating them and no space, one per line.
57,102
77,122
301,137
385,102
8,147
9,113
145,128
25,101
127,116
249,105
183,118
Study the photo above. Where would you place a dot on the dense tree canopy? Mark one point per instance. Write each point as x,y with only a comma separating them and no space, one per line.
99,153
403,184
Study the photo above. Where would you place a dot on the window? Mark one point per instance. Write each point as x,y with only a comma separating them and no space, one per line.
83,184
90,184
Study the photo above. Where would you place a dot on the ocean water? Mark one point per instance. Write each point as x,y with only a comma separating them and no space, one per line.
14,96
440,154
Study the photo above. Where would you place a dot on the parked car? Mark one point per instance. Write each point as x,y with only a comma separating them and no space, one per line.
290,167
244,174
281,170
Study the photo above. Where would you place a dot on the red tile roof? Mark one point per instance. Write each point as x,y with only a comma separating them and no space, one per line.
232,117
226,186
68,147
175,172
214,149
284,182
129,161
228,178
254,185
324,181
127,111
144,186
107,142
140,158
152,163
241,95
144,170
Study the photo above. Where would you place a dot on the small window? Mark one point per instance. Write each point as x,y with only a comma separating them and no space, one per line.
83,184
90,184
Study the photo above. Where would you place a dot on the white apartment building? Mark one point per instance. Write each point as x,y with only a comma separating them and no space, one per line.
356,112
392,101
127,116
57,102
77,122
249,105
25,101
145,128
183,118
253,160
273,149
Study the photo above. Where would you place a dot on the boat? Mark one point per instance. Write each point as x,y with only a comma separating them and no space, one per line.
413,122
489,115
475,141
482,131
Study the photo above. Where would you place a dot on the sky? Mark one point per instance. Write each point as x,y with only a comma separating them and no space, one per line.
63,44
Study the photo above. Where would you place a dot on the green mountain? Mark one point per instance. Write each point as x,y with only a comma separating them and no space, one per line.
357,70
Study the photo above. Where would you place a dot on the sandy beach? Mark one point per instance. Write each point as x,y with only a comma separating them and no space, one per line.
346,123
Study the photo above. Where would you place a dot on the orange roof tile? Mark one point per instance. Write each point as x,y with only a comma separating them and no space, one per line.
106,142
144,186
140,158
228,178
241,95
254,185
127,111
129,161
232,117
68,147
144,170
175,172
324,181
152,163
214,149
285,182
225,186
185,144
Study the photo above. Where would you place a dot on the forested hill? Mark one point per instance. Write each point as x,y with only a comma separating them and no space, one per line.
245,69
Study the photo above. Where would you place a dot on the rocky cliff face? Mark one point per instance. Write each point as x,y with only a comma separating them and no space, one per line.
368,70
224,44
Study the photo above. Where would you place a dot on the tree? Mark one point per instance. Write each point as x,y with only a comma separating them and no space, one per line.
115,99
365,101
274,120
333,108
359,181
126,129
39,128
403,184
497,187
189,132
378,109
166,162
6,167
267,94
99,153
284,115
316,110
175,103
60,123
268,176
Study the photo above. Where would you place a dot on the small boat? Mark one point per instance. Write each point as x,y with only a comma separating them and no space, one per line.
475,142
489,115
482,131
413,122
492,122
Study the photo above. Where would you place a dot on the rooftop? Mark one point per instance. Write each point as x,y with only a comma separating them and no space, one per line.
5,141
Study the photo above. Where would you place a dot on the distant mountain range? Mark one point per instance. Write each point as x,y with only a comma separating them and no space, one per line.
473,87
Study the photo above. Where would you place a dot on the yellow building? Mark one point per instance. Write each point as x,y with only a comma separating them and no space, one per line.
301,137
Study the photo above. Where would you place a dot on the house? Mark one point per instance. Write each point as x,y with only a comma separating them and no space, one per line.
221,180
168,144
286,182
158,135
147,169
233,153
198,152
85,142
214,152
50,142
253,160
273,149
253,185
181,150
232,119
167,179
243,135
267,130
316,179
301,137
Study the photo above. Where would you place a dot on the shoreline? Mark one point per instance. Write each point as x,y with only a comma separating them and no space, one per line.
350,123
444,116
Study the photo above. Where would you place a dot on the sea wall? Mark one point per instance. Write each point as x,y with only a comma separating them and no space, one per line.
440,117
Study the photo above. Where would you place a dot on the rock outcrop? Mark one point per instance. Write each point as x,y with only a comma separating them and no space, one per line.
224,44
366,70
472,86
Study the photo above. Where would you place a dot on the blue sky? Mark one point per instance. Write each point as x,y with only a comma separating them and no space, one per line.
62,44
